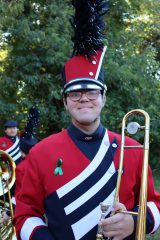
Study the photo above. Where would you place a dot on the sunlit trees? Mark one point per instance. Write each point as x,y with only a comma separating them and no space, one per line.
37,37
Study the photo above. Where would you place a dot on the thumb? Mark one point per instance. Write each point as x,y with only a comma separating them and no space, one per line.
119,206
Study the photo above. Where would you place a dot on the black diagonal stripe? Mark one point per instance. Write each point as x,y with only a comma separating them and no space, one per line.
17,151
93,202
18,160
58,223
92,179
16,146
91,234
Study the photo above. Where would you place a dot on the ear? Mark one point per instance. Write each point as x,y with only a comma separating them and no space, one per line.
103,100
65,103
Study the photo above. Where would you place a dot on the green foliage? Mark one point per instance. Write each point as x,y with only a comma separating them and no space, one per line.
37,48
39,41
154,236
132,65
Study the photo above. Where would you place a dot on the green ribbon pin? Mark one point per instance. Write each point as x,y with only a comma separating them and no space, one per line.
58,169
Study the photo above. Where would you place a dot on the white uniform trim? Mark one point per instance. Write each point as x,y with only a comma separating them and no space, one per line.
13,200
92,191
89,169
13,146
100,62
14,150
156,214
28,227
89,221
17,156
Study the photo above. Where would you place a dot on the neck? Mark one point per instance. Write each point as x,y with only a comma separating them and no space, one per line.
87,128
10,136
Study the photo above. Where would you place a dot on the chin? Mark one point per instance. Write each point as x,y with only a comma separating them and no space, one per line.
86,122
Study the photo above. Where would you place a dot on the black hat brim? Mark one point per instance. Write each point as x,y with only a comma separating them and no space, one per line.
85,83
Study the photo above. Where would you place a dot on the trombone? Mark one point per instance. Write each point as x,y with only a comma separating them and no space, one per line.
133,128
7,179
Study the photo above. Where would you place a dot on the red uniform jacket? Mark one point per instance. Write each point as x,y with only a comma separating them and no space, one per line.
71,200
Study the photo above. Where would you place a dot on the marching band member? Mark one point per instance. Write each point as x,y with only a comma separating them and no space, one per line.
10,142
69,173
22,146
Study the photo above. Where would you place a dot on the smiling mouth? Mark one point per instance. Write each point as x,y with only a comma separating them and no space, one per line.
86,108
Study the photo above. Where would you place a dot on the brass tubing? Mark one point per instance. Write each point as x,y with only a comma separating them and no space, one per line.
7,176
141,215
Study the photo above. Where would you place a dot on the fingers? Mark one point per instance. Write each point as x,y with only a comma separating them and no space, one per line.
111,233
113,220
119,225
119,206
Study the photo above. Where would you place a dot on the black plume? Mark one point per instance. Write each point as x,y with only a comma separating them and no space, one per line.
32,122
88,26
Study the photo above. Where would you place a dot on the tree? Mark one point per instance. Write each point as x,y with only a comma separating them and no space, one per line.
132,63
37,44
38,41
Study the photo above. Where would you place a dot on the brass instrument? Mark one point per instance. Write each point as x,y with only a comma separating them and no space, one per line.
7,179
104,208
133,128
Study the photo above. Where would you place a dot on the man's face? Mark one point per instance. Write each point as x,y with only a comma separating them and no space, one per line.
85,111
11,131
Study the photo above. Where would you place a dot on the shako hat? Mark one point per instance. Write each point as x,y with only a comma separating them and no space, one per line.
10,123
84,69
28,138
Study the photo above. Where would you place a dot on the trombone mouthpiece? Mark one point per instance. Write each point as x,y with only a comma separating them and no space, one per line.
104,208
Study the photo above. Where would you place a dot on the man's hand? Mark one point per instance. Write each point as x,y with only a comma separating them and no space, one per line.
118,226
